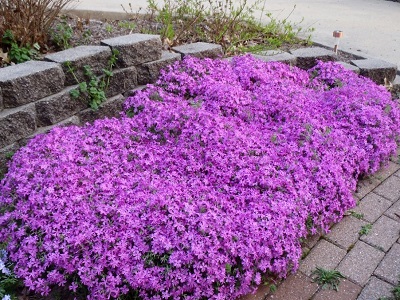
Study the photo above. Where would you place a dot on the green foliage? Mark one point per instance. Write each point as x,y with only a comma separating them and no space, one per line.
365,229
17,53
94,89
62,34
327,278
232,24
356,215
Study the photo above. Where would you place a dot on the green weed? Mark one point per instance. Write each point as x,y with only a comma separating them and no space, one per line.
327,278
365,229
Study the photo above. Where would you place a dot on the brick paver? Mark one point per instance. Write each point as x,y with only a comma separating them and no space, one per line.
296,287
345,233
383,234
375,289
372,206
260,294
365,186
360,263
324,255
394,211
386,171
389,268
347,291
390,188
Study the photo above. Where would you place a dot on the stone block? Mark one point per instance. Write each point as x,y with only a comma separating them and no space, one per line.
324,255
376,69
375,289
135,49
16,123
394,211
58,107
307,57
122,81
74,120
349,67
296,287
372,207
383,234
149,72
390,188
345,233
200,50
389,268
396,87
365,186
108,109
30,81
276,55
134,91
360,263
347,291
260,294
96,57
386,171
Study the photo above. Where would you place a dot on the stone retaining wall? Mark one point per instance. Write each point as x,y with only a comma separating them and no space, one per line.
35,96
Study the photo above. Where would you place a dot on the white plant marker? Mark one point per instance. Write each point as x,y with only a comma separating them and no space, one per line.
337,34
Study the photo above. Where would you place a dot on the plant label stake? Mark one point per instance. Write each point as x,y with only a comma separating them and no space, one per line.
337,34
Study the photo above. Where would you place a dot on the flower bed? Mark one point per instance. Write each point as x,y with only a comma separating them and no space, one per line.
208,182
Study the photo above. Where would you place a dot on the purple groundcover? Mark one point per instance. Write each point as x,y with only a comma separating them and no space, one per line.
208,182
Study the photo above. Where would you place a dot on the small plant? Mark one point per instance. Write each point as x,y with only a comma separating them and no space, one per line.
127,24
327,278
17,53
109,28
94,90
356,215
62,34
365,229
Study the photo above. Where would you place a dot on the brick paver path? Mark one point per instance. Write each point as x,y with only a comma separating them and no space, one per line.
370,262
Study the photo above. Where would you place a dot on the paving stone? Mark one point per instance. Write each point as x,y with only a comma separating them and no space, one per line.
58,107
376,69
349,67
260,294
345,233
387,171
96,57
390,188
383,234
149,72
396,159
394,211
360,263
366,185
200,50
372,206
277,55
375,289
296,287
135,49
108,109
30,81
389,268
312,240
325,255
122,81
347,291
16,123
307,57
133,92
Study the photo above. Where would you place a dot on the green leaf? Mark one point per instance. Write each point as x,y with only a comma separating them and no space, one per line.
83,87
75,93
